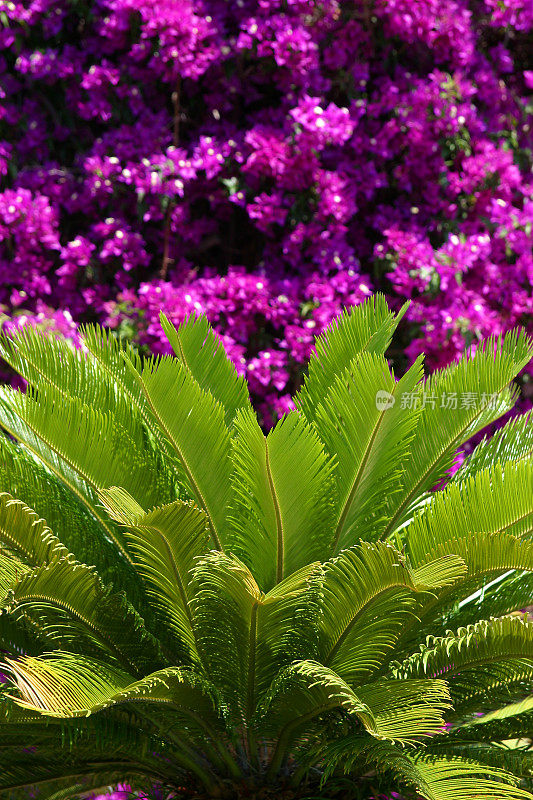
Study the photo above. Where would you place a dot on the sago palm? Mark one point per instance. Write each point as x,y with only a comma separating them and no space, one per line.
223,613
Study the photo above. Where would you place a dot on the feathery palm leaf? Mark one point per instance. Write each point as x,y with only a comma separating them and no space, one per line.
201,353
513,442
479,385
369,594
245,614
194,424
282,484
370,442
366,328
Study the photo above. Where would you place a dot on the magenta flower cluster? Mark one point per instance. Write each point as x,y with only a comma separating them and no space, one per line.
268,162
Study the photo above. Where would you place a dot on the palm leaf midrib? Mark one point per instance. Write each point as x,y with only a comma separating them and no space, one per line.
515,522
358,477
342,638
252,652
196,489
280,537
459,438
175,569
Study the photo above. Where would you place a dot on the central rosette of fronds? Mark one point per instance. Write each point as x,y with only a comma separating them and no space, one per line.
210,607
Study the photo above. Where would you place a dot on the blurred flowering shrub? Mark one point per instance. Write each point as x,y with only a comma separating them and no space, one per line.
267,162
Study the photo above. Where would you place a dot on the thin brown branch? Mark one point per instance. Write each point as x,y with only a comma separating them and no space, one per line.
176,105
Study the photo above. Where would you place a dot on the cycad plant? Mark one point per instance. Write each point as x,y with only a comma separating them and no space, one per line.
222,613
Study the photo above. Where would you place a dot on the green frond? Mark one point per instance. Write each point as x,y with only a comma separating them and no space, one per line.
94,444
482,520
407,711
462,779
516,760
152,733
165,544
513,442
112,352
50,361
282,485
245,636
58,466
505,723
122,364
77,612
12,569
477,661
307,690
193,421
440,573
496,500
369,594
508,593
24,532
431,777
488,556
369,443
441,430
45,359
302,692
23,475
200,351
367,327
66,685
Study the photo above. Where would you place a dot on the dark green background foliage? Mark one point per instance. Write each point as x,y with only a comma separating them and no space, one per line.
290,615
